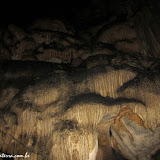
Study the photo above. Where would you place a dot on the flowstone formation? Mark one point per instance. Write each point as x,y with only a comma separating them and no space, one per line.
91,94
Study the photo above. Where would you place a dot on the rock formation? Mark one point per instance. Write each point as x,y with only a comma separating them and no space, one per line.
87,94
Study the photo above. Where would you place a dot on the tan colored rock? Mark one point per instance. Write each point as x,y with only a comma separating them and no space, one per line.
49,38
74,40
129,46
128,60
84,54
116,33
104,51
21,49
145,91
50,25
56,116
97,60
48,54
7,94
108,83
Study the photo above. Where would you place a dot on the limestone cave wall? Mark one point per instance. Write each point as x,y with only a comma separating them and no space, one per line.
81,82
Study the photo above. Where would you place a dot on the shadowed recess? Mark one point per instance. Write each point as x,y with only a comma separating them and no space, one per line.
97,98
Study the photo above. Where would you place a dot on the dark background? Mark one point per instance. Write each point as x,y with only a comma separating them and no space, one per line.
77,12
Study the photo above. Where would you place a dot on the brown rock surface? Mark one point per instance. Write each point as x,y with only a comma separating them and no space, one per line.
82,93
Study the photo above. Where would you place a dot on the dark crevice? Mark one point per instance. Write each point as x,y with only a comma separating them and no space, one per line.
90,98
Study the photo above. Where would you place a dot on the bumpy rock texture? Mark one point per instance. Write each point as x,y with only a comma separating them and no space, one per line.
87,94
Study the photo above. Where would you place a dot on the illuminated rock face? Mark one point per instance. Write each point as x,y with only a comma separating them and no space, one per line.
90,94
103,112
